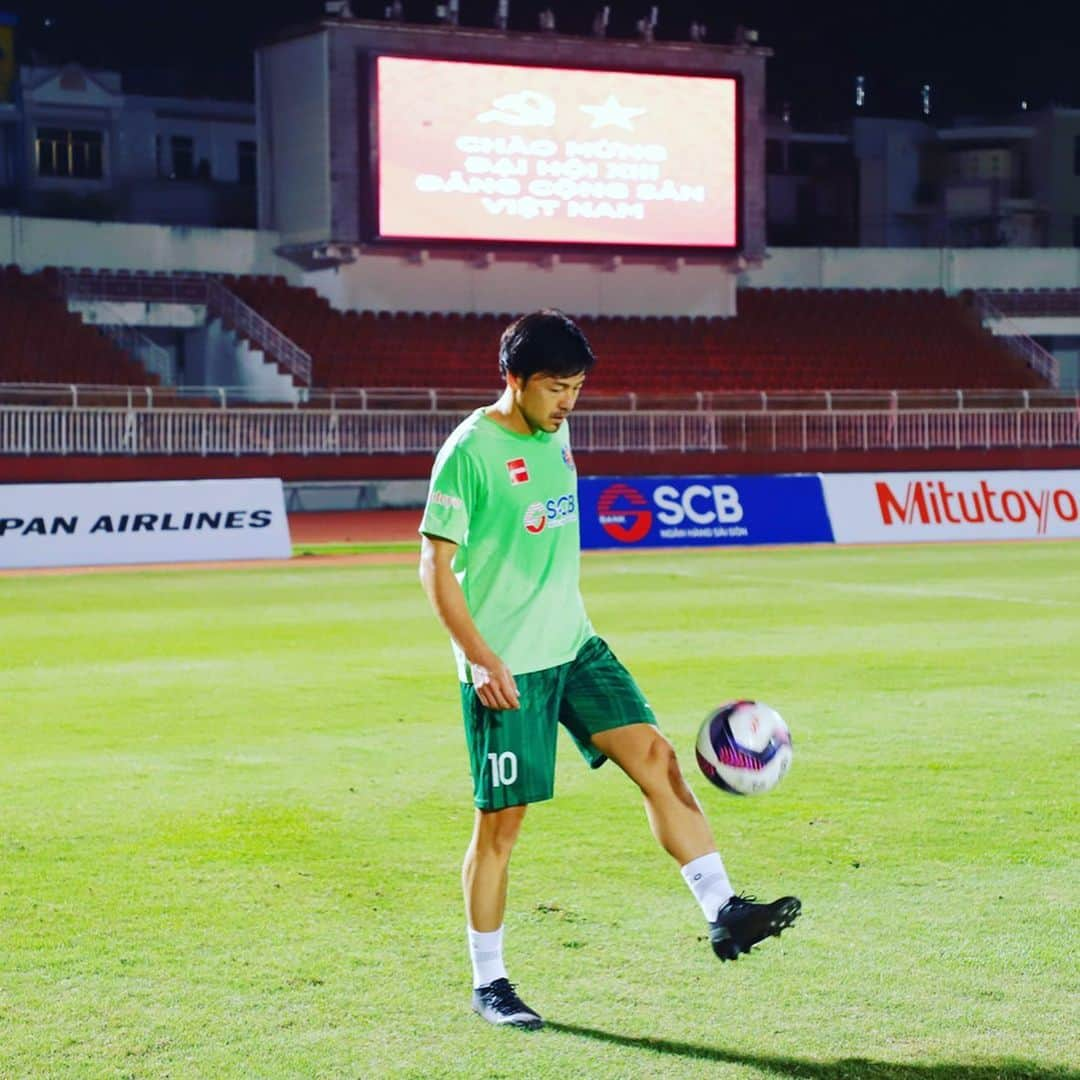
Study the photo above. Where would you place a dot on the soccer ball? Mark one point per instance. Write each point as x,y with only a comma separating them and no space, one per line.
744,747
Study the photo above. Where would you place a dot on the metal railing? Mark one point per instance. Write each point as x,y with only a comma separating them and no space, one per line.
203,432
112,322
431,399
1029,350
123,288
247,321
1036,303
192,289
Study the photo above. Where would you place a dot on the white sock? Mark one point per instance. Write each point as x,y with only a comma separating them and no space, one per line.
487,959
709,883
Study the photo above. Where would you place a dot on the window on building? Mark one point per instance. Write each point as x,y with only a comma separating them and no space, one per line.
182,148
73,155
245,162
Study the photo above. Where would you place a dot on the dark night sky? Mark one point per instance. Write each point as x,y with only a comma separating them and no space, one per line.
978,57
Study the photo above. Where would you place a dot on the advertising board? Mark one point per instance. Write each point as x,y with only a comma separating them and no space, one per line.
167,521
680,511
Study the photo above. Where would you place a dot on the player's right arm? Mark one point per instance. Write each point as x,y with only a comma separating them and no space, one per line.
494,682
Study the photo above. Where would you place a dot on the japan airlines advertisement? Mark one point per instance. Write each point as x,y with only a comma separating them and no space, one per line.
502,153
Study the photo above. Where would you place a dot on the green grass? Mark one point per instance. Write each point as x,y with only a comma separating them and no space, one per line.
234,805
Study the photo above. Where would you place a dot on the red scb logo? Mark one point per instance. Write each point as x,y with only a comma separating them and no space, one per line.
555,513
535,518
624,513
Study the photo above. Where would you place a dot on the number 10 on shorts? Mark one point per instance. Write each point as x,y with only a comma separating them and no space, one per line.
504,769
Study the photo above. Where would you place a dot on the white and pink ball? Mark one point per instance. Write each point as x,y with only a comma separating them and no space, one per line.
744,747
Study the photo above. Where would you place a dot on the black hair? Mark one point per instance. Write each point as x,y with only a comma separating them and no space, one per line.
546,342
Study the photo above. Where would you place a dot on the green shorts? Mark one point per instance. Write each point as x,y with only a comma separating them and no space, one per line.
512,752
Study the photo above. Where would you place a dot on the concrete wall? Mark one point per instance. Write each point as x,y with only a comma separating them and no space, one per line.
33,243
215,356
951,269
355,495
395,282
293,126
1068,358
140,313
888,153
1061,177
392,283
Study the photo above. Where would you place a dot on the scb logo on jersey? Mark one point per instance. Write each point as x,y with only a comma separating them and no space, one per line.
552,514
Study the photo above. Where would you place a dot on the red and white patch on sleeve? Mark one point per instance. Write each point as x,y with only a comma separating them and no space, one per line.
518,470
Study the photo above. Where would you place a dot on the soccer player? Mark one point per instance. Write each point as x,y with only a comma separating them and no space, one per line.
500,563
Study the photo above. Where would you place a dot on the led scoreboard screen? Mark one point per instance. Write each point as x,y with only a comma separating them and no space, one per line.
502,153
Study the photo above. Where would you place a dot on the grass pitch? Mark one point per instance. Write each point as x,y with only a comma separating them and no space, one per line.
235,803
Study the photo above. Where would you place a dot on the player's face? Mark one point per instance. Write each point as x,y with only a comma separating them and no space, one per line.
545,401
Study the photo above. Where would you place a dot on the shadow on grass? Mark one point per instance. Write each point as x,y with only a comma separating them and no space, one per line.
845,1069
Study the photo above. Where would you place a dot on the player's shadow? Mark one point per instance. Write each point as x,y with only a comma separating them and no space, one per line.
844,1069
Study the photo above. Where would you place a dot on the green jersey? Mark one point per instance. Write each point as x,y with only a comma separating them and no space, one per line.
510,503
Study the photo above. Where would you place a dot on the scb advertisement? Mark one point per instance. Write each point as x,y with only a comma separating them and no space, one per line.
678,511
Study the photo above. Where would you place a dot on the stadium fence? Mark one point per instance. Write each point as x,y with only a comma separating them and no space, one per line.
436,399
202,432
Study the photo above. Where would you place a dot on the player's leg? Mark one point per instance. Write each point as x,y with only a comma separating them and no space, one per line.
736,923
484,879
604,705
512,755
485,871
674,814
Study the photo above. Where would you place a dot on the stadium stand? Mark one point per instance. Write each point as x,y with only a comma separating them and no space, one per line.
781,339
43,342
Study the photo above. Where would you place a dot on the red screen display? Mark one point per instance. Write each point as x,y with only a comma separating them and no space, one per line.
496,152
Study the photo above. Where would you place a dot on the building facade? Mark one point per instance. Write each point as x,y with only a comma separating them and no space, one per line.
74,144
979,182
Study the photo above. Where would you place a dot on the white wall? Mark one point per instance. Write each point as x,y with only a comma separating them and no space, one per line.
140,313
1035,326
293,125
1068,368
393,283
1010,268
33,243
216,357
261,377
951,269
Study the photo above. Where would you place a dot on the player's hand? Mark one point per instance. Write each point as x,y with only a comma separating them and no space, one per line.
495,686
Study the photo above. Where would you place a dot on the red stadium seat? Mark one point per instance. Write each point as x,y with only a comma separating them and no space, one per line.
796,339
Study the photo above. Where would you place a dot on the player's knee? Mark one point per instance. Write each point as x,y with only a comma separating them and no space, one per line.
497,831
660,766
